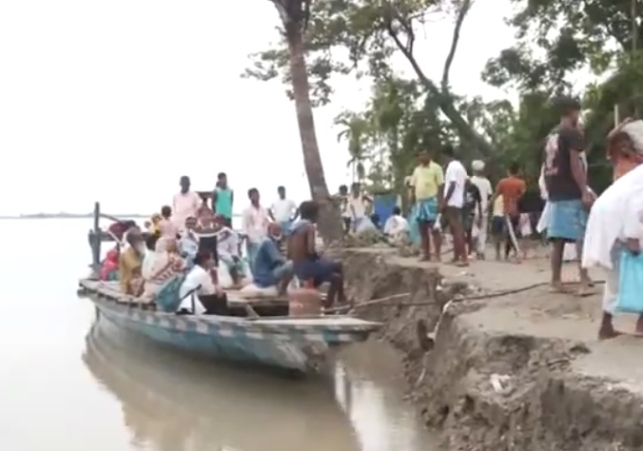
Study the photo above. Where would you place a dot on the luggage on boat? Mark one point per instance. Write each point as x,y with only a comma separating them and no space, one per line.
304,301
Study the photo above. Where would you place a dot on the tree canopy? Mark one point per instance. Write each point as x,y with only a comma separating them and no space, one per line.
554,41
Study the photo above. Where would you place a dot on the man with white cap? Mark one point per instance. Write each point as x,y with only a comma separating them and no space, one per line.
484,187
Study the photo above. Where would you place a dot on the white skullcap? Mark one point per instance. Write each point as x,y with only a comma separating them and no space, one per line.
477,165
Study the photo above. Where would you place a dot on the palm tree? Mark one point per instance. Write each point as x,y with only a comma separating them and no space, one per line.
356,132
294,17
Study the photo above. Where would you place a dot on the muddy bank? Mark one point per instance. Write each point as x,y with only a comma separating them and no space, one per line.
515,372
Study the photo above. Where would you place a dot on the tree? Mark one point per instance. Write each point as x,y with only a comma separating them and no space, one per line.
356,131
294,16
361,36
555,39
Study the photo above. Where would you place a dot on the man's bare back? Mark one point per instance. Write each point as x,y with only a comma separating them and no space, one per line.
300,244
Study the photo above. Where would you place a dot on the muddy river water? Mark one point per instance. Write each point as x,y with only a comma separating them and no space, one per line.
72,381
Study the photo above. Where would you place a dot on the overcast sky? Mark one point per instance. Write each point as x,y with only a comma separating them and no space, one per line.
115,100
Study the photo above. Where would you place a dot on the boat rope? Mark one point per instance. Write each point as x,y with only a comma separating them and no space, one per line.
490,295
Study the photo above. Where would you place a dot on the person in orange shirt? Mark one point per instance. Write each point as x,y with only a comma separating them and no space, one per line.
511,188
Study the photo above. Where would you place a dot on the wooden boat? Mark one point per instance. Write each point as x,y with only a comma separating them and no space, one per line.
258,333
295,343
170,402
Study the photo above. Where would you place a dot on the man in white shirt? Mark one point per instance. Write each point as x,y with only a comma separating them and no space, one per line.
486,191
283,211
254,224
199,280
455,180
357,204
396,226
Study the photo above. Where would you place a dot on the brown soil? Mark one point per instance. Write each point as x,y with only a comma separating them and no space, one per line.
560,388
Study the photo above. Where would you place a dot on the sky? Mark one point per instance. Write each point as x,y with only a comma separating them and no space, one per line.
113,101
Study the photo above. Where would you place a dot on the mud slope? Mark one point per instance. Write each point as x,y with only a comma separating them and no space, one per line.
520,372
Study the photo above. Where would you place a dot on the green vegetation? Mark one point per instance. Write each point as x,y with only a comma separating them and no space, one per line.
554,40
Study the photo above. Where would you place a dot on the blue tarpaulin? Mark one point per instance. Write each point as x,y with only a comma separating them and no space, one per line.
383,205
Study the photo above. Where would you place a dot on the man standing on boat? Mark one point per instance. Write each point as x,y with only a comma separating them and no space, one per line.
186,204
222,199
255,222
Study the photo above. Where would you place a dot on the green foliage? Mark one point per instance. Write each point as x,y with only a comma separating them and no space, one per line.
554,40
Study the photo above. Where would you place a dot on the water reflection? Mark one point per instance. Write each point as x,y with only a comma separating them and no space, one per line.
173,404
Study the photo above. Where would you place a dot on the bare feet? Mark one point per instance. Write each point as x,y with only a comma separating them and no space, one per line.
607,330
558,287
425,258
639,327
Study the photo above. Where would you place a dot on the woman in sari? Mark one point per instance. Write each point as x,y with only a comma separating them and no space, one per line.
109,268
164,267
130,263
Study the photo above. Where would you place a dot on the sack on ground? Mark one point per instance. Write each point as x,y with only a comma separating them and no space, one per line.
630,293
251,291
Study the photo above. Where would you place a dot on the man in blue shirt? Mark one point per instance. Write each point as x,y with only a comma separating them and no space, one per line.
270,267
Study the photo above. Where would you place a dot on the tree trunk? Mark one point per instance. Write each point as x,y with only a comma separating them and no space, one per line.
330,226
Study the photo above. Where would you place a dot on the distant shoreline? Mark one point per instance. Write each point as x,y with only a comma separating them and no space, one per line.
77,216
68,216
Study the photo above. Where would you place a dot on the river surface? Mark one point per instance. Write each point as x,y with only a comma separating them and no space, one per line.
74,383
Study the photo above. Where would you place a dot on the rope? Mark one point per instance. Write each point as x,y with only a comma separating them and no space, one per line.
491,295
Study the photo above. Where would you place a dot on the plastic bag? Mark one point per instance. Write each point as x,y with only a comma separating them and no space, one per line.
224,277
630,292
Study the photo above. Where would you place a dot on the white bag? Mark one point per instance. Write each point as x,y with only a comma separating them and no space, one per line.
225,279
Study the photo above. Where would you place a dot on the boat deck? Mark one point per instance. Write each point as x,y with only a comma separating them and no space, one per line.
111,289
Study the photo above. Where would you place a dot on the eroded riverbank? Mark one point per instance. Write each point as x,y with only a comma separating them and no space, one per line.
522,371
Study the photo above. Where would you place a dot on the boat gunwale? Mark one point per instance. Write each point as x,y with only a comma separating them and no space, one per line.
283,325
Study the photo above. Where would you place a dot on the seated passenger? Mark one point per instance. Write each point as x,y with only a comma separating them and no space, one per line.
270,267
109,268
202,281
308,265
162,267
228,249
189,243
130,264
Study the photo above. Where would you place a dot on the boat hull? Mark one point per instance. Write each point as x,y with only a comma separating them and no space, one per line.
187,334
299,345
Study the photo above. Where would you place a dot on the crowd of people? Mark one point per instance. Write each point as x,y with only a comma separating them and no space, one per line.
191,246
604,231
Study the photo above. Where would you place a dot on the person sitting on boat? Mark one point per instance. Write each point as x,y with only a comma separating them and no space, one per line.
189,243
201,280
161,267
166,225
308,265
270,267
130,263
109,268
153,228
228,249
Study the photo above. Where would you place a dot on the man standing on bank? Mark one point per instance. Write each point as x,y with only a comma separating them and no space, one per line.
566,181
426,181
455,181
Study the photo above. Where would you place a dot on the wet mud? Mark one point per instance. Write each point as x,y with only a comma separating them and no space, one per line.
521,371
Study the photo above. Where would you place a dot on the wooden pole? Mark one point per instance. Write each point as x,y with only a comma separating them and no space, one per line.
96,238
